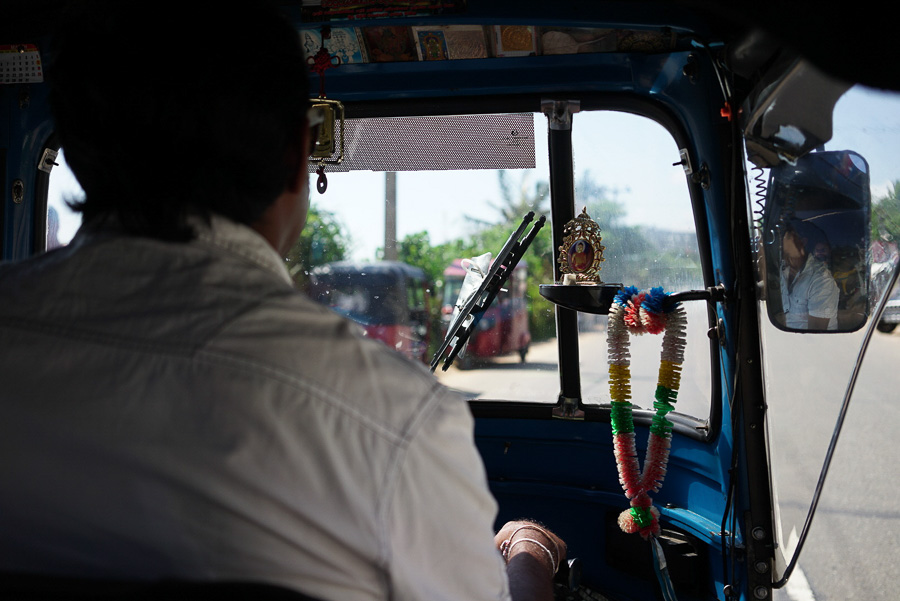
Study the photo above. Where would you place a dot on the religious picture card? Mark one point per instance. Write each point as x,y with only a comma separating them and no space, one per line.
345,43
515,40
450,42
389,44
431,45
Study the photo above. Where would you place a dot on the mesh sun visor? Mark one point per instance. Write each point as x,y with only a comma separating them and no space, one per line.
436,143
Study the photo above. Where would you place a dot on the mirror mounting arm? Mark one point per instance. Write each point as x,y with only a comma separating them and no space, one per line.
713,294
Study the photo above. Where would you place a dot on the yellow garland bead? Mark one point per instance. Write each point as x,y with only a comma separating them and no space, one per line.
619,382
619,371
669,375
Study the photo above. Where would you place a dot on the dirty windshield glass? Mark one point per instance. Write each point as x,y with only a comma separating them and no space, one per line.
628,177
443,219
434,221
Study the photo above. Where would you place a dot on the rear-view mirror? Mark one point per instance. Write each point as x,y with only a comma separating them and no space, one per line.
815,241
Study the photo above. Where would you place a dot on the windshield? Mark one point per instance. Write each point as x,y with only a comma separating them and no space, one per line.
628,175
628,179
638,198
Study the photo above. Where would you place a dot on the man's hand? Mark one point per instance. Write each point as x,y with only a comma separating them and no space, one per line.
533,555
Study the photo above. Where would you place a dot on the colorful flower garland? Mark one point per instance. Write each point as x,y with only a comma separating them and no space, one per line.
639,312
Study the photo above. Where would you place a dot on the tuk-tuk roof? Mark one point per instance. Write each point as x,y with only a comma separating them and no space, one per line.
835,43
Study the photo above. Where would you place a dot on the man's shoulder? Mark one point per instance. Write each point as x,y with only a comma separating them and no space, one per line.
307,346
820,273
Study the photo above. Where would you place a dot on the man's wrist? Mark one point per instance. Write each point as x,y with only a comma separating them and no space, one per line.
537,542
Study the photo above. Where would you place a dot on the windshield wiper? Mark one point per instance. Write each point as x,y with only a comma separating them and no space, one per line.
472,308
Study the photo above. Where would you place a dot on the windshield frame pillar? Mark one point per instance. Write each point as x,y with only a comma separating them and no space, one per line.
562,210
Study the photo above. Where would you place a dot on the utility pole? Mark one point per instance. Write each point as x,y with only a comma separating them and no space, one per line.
390,216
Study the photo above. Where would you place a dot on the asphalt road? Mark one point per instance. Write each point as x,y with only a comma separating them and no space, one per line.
852,549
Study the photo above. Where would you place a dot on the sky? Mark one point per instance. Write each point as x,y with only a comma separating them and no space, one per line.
629,154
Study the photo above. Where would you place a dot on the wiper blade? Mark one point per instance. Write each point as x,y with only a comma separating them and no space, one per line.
462,327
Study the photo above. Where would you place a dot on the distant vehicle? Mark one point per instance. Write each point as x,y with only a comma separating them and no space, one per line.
388,298
503,329
891,316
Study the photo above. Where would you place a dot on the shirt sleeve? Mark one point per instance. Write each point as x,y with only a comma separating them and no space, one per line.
441,514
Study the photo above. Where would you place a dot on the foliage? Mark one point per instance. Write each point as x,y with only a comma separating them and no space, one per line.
323,240
416,249
637,255
886,215
517,201
601,202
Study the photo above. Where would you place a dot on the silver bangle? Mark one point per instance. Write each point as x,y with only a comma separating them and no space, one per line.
539,529
553,563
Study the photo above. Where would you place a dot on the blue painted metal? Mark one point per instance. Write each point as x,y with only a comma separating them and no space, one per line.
28,128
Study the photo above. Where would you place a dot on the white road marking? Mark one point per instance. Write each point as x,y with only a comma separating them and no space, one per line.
797,588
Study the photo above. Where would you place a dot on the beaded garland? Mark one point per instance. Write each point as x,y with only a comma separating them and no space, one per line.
639,312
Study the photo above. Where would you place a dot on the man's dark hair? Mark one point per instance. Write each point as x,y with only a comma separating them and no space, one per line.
178,109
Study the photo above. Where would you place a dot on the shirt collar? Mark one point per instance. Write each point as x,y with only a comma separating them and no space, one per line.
220,232
242,240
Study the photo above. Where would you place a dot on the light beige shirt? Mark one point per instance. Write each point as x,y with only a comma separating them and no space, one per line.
179,410
812,293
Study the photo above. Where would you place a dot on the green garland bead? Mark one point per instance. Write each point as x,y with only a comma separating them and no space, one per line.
642,516
666,395
661,426
621,418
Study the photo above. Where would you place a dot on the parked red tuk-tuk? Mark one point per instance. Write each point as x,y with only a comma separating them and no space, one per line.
503,329
388,298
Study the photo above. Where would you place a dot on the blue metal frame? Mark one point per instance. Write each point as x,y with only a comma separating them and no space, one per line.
29,129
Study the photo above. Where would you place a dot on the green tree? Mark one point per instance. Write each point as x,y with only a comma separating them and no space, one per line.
323,240
886,215
516,200
416,249
636,255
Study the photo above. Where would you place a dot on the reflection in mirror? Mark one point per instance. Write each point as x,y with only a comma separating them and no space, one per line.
815,239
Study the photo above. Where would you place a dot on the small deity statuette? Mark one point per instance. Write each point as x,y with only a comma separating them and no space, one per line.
581,252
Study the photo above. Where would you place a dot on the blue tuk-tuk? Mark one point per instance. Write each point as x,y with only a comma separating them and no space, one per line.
389,299
691,159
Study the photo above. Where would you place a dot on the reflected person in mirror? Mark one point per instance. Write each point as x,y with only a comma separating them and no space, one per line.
809,294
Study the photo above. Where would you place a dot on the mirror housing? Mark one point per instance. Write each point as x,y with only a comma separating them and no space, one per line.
789,113
815,240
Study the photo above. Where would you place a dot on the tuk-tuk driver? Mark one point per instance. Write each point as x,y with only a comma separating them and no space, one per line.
171,407
809,294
